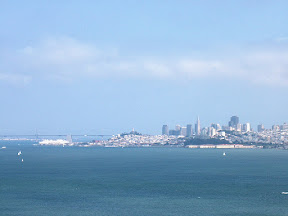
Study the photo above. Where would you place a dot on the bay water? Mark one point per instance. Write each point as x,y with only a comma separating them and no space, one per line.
141,181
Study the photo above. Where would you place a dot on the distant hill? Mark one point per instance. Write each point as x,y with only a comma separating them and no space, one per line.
131,133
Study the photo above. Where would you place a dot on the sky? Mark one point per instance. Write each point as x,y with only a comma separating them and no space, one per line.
105,67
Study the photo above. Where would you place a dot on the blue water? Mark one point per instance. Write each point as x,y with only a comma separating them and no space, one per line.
141,181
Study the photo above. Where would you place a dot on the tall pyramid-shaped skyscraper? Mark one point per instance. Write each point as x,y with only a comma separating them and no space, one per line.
198,127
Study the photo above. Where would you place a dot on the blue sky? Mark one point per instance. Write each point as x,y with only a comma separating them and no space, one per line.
110,66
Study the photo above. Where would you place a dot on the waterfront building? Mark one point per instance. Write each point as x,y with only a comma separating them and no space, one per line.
198,127
189,130
165,130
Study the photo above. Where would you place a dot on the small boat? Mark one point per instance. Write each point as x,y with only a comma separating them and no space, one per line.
22,160
3,147
19,153
224,154
286,193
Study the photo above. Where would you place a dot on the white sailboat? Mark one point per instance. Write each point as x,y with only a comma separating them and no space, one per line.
19,153
224,154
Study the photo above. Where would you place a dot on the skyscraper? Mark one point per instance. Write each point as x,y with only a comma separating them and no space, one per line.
189,130
234,121
275,127
165,130
238,127
211,131
183,131
216,126
261,128
246,127
284,126
198,127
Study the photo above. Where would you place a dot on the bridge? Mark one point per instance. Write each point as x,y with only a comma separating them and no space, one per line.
68,137
44,135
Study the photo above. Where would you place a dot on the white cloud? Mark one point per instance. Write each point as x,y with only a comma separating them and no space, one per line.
158,69
15,79
281,39
60,51
68,59
200,68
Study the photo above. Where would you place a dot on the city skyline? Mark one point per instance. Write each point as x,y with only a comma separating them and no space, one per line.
233,124
107,67
192,126
190,129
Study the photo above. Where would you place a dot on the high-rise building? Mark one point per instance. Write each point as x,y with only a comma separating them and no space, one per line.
227,128
198,127
211,131
246,127
177,127
189,130
234,121
284,126
204,131
260,128
173,133
275,128
183,131
216,126
165,130
238,127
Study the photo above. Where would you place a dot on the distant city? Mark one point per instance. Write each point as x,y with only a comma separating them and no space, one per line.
233,132
232,135
217,129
